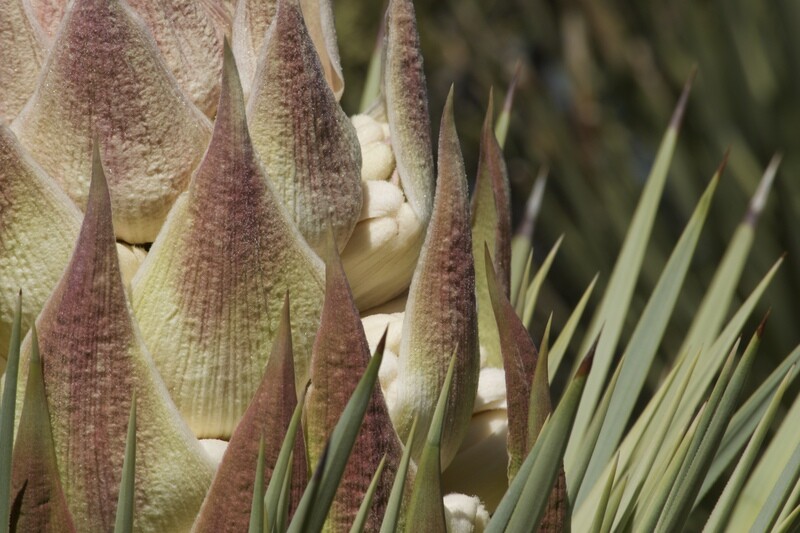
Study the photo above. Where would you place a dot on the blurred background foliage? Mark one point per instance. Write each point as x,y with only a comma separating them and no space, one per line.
599,80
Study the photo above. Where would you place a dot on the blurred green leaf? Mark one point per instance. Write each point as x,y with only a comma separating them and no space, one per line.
613,309
7,416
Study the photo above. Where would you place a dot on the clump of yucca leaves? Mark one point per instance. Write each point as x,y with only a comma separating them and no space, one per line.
584,464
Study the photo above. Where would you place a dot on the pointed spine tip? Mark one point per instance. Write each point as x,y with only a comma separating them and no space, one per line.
98,187
508,103
763,324
231,83
534,204
586,364
759,200
723,164
680,108
285,310
448,105
382,343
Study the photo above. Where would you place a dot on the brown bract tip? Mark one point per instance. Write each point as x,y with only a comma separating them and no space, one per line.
723,164
680,109
98,188
231,98
382,343
586,364
763,324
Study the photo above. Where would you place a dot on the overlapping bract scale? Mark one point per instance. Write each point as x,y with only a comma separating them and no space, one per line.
188,33
441,317
491,226
39,500
105,79
227,504
209,295
94,361
382,253
252,18
307,144
38,228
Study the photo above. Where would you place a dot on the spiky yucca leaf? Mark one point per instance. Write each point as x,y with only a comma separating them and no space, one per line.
125,501
7,415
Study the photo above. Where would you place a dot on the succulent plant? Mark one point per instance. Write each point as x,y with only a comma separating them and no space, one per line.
251,312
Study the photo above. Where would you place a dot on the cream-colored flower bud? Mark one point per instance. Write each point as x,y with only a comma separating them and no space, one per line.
377,158
382,252
374,326
480,464
130,258
215,449
465,514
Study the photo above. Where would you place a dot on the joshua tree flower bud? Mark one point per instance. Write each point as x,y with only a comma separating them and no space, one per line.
465,514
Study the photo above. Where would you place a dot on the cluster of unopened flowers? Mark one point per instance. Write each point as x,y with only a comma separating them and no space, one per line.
180,214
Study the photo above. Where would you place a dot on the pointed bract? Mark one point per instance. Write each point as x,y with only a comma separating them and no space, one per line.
307,144
251,20
440,313
93,358
519,362
188,33
341,355
38,228
407,106
491,226
189,38
38,500
227,506
105,79
208,297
